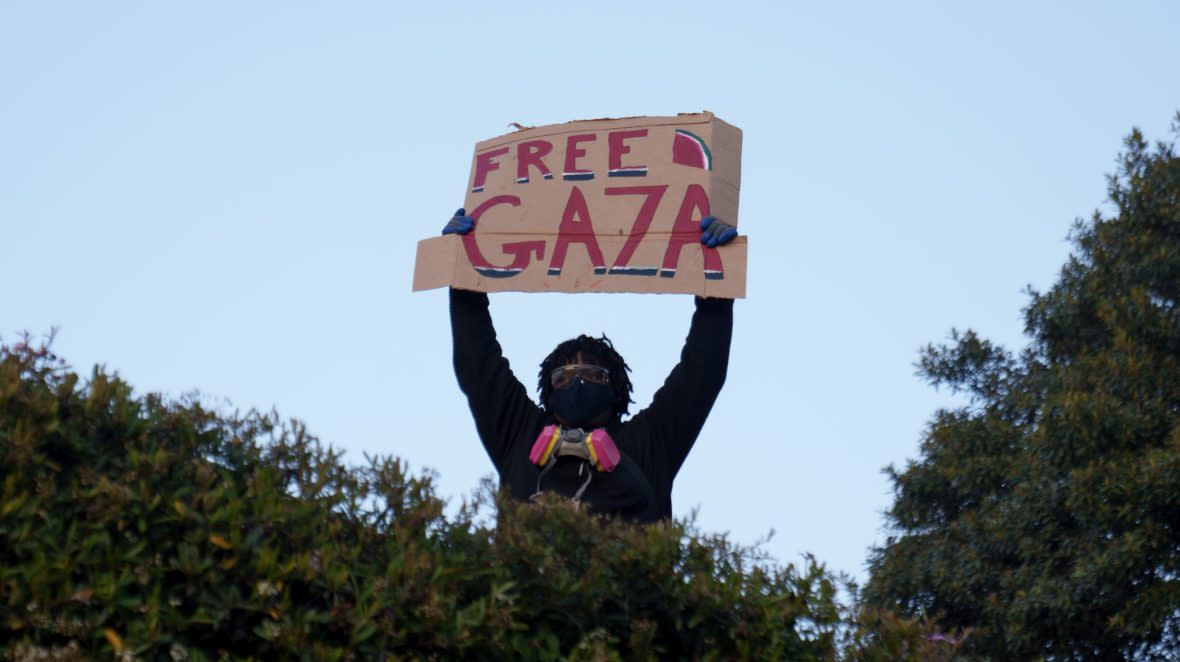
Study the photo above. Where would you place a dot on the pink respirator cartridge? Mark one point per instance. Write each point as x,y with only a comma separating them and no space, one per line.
596,447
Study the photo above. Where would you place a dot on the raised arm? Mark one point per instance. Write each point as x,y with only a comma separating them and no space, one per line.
499,402
679,409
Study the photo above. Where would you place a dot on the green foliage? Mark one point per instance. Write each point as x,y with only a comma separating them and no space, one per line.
144,529
1046,514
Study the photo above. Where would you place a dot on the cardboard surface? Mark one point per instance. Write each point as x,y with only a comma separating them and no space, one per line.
597,206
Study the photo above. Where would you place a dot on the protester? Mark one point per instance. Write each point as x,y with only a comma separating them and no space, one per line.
575,443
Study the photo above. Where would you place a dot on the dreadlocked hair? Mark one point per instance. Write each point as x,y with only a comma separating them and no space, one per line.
595,351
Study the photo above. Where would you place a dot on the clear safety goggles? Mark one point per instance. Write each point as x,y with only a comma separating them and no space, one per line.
566,374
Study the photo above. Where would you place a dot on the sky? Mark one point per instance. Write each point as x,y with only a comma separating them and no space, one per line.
226,197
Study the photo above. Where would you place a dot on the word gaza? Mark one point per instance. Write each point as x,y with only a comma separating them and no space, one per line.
577,227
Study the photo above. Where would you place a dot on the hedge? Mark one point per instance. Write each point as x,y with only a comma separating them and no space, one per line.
139,527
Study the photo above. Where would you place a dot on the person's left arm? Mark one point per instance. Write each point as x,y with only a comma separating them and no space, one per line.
679,409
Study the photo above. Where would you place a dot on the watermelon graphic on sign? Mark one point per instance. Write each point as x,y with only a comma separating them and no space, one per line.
690,150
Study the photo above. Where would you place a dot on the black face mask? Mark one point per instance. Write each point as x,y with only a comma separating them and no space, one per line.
579,403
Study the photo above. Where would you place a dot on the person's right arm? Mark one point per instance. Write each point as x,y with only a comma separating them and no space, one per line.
499,402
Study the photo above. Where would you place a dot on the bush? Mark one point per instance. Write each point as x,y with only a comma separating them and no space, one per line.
151,529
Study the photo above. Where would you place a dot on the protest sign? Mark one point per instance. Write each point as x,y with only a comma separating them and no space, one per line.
597,206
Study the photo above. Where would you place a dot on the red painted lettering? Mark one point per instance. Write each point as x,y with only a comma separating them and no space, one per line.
521,251
573,231
687,230
617,148
530,153
572,154
639,229
485,163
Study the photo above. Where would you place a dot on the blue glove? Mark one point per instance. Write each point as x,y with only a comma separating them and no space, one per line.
715,233
460,223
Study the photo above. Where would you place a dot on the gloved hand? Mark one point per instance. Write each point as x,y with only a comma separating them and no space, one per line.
460,223
715,233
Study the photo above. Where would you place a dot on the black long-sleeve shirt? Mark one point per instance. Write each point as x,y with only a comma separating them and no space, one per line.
653,443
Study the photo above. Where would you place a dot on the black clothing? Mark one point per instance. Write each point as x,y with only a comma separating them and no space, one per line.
652,443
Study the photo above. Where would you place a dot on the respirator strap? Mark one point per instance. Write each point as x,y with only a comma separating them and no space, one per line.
544,470
582,489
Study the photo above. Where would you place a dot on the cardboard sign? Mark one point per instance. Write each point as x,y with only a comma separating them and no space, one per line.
597,206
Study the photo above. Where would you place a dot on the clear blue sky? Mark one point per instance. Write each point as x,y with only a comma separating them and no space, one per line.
226,196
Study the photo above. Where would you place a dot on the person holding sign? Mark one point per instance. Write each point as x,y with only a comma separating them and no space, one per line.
575,442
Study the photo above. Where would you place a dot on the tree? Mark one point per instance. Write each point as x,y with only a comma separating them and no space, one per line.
1045,514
